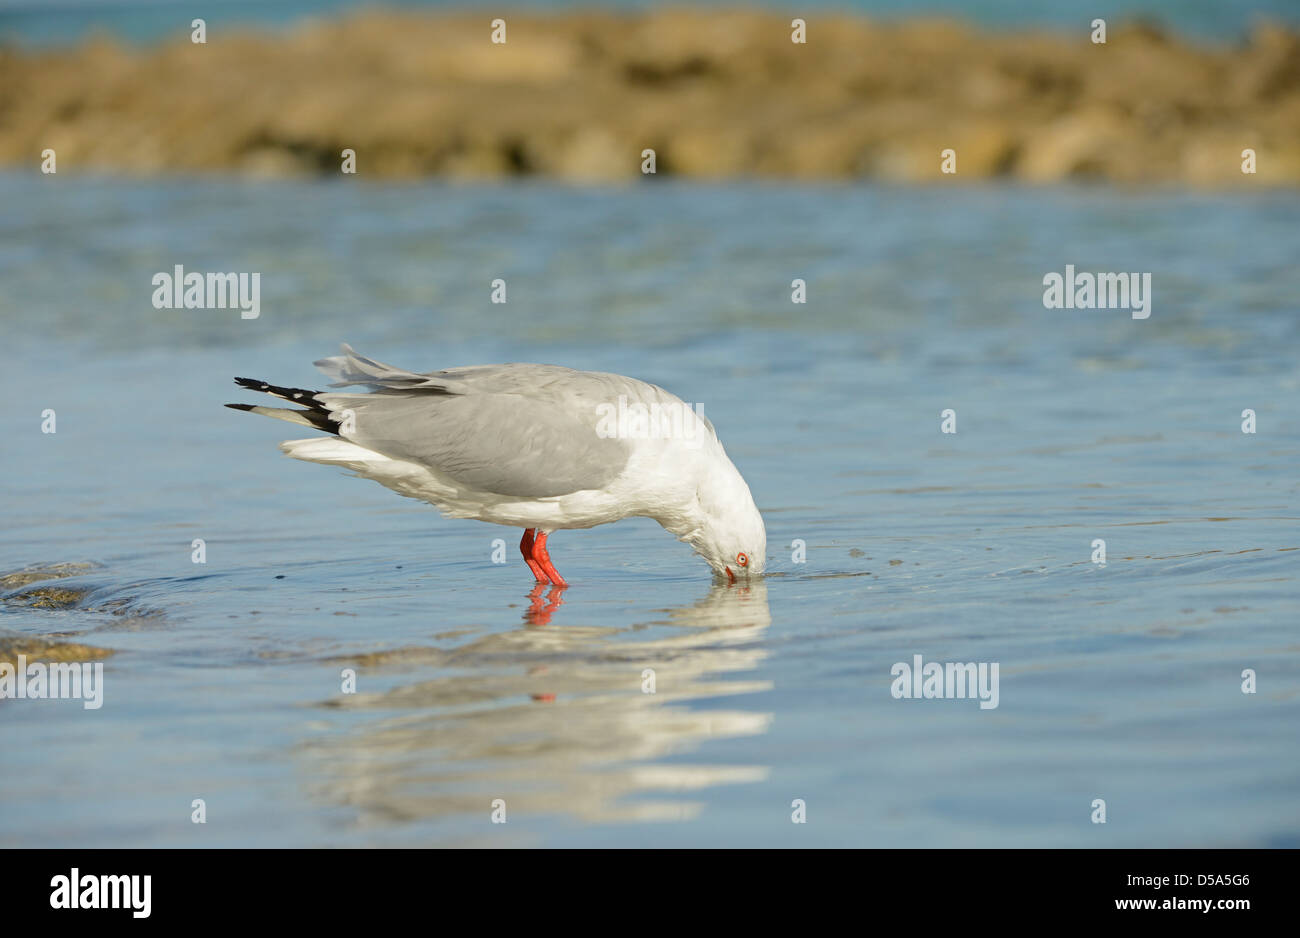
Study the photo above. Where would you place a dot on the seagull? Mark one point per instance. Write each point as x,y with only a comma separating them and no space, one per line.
538,447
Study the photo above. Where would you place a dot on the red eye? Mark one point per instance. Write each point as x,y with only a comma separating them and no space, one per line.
742,559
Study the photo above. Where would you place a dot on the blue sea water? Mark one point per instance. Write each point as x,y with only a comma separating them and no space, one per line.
1120,682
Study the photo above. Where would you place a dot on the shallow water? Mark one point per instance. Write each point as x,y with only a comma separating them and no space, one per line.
1120,682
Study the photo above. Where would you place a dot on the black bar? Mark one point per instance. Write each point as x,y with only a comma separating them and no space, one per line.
327,887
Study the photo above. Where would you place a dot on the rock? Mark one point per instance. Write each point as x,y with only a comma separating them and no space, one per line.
39,649
717,93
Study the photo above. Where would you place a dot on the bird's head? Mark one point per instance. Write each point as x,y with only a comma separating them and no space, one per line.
731,536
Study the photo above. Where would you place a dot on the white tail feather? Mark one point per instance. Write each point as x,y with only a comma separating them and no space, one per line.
332,451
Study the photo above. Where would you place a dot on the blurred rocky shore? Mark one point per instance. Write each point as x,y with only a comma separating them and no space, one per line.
718,93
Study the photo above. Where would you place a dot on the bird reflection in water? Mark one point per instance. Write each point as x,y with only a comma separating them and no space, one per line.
619,700
539,613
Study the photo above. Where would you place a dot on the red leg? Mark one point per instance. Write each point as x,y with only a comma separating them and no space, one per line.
543,559
526,548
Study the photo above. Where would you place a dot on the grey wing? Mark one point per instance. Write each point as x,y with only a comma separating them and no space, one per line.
515,378
504,444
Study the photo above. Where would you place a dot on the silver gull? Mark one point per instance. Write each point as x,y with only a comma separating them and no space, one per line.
539,447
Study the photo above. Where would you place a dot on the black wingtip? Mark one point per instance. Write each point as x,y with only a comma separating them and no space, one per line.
301,396
240,406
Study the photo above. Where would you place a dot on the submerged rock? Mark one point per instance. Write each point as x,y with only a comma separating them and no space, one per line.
125,609
47,597
54,571
39,649
44,597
